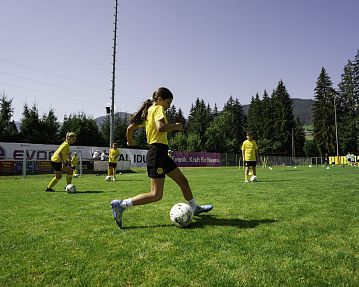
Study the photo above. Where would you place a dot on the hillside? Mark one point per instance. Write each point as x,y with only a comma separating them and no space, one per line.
301,108
100,120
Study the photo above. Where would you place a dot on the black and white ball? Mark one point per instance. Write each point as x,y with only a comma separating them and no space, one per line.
181,214
70,188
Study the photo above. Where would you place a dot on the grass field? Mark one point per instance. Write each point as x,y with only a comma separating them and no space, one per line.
296,227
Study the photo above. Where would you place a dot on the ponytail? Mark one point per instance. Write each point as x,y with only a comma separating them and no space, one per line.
140,116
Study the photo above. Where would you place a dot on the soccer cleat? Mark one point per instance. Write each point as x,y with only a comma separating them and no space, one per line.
48,189
203,208
246,180
117,210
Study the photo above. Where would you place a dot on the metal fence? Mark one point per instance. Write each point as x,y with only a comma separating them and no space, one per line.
228,159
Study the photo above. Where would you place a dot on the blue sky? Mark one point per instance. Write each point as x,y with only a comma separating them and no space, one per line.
58,54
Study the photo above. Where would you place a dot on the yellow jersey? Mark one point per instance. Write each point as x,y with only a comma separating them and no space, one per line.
154,114
74,160
113,155
249,148
64,150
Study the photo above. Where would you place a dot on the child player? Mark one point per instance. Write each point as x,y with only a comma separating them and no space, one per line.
152,116
114,153
249,155
59,162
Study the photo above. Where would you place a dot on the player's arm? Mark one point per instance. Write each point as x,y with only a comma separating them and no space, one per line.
161,126
129,133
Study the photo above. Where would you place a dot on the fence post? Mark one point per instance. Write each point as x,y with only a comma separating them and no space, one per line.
24,164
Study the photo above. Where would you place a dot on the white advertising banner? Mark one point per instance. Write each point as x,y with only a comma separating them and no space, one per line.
17,151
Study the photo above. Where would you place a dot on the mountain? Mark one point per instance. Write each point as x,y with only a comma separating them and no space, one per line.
301,108
100,120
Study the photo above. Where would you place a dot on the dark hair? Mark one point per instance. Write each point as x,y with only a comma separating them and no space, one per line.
140,116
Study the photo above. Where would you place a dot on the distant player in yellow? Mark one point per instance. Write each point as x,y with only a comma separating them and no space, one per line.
113,156
59,161
74,161
249,156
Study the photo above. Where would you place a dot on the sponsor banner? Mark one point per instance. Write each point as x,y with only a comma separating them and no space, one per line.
6,167
196,158
17,151
137,157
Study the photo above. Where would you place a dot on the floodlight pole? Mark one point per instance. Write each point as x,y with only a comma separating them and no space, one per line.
336,128
112,115
336,125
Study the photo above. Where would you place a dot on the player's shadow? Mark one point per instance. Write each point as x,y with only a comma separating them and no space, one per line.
86,192
207,220
274,180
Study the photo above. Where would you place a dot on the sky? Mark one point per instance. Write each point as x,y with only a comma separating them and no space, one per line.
58,54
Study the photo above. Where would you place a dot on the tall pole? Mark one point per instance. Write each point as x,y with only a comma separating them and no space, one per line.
336,127
112,116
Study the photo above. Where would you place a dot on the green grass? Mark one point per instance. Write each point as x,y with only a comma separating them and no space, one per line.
296,227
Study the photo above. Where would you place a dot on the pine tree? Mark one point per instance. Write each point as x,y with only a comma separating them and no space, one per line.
254,122
50,128
8,129
31,128
198,121
347,111
235,121
323,115
265,137
283,120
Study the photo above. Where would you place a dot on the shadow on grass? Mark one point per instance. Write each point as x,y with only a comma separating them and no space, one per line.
207,220
288,170
276,180
85,191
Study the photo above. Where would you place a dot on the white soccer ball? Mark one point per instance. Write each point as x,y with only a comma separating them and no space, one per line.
253,178
108,178
70,188
181,214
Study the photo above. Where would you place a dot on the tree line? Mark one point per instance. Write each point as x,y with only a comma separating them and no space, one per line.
270,118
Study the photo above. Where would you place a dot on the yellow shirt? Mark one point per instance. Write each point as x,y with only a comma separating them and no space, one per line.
155,113
249,148
74,160
64,150
113,155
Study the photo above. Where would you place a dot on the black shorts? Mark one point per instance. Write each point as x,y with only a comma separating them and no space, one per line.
158,161
56,165
250,163
112,164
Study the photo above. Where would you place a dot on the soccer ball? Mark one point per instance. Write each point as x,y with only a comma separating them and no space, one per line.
70,188
181,214
253,178
108,178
